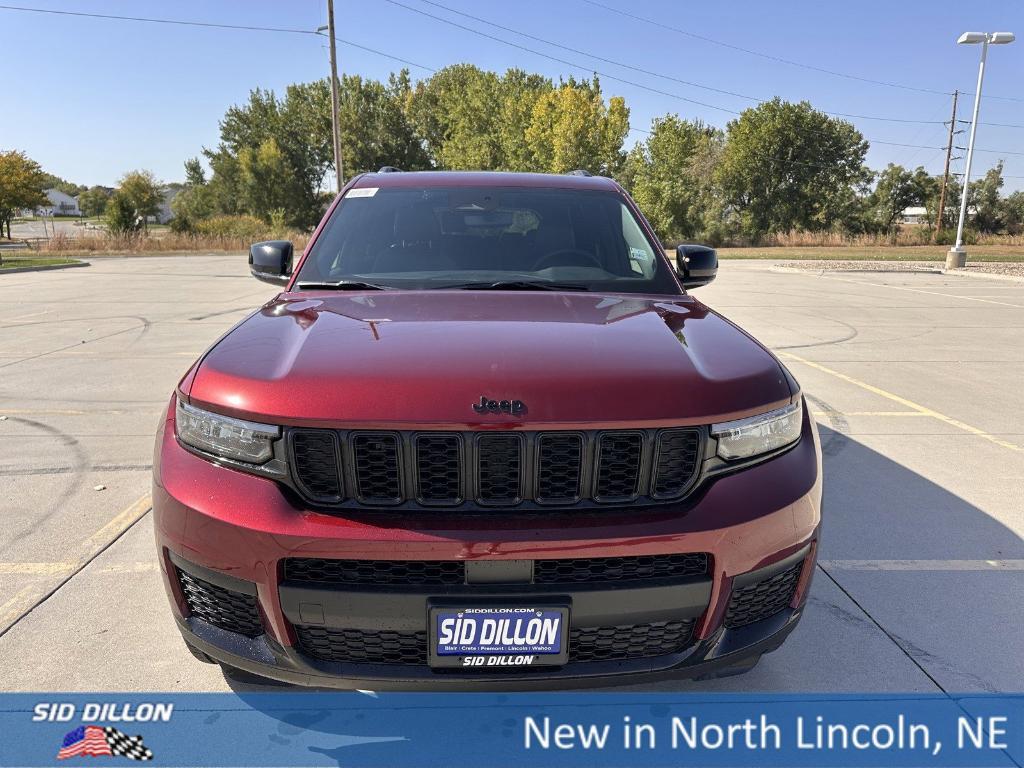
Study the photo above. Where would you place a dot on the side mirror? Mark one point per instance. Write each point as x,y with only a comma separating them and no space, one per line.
271,261
696,265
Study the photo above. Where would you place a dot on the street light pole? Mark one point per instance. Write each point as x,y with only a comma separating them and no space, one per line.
957,256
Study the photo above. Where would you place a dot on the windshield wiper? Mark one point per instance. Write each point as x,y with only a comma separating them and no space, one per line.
520,285
343,285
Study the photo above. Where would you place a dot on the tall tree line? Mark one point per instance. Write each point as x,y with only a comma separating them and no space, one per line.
779,167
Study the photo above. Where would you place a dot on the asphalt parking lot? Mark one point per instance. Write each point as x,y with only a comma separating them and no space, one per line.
916,380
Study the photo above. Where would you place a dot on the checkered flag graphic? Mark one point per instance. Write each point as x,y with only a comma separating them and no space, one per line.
127,746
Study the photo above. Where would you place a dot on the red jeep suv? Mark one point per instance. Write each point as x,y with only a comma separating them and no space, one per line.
484,438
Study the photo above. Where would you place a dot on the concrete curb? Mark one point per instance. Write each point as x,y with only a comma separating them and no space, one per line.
45,268
922,271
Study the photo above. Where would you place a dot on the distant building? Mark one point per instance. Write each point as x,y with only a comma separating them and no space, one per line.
61,204
916,214
164,213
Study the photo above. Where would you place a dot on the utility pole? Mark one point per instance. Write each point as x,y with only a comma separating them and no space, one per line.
945,173
339,168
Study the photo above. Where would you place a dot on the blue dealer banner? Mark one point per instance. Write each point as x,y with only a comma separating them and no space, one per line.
510,730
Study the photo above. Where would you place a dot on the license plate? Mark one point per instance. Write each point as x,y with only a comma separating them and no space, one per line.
499,637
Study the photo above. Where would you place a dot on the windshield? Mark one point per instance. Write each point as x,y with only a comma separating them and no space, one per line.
486,237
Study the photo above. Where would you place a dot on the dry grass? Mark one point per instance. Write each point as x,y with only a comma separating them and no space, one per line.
908,236
875,253
103,243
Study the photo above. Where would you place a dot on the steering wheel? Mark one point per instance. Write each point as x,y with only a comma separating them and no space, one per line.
586,260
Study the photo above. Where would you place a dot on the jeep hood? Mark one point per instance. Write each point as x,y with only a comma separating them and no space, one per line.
410,358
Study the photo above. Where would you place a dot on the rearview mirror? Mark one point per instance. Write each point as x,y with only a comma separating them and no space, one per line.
696,265
271,261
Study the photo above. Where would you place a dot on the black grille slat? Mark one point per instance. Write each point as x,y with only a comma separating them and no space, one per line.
633,568
677,462
762,599
384,572
377,467
223,608
474,469
315,453
363,646
439,469
631,641
618,466
559,468
499,469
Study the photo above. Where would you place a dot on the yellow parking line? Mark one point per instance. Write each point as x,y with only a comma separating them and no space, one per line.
921,290
23,602
17,606
924,411
35,569
48,569
116,526
868,413
924,565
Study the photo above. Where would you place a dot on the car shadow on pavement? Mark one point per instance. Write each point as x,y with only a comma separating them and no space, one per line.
909,595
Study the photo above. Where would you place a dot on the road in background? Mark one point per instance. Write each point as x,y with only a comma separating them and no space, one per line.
915,381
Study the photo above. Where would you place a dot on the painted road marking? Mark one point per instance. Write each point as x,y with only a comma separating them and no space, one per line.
47,569
868,413
921,290
905,402
924,565
29,597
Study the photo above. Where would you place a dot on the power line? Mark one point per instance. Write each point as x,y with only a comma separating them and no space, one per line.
780,59
215,25
652,73
576,65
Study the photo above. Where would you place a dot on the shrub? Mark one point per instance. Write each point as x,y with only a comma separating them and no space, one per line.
242,226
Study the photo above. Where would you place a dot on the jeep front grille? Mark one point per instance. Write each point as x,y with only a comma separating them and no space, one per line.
494,468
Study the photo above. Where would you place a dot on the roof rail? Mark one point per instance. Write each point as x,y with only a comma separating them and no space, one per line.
389,169
579,172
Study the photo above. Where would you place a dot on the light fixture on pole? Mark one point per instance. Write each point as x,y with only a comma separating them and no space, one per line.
957,256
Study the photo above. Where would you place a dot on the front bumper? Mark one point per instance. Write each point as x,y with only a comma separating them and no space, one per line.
234,531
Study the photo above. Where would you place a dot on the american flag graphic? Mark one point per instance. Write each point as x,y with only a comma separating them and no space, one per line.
97,741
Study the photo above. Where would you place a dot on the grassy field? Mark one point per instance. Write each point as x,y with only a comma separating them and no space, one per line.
875,253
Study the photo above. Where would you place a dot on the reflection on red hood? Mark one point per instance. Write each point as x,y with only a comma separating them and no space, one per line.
409,358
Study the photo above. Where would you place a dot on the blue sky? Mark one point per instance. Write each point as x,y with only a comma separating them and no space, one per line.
90,98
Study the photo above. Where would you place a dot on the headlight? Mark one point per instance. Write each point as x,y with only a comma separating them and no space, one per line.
223,436
764,433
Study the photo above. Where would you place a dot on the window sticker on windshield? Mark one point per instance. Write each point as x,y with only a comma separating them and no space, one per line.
362,192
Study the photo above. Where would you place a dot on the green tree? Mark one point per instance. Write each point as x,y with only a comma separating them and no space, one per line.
789,167
93,202
671,176
1013,212
457,113
122,218
22,182
142,191
896,190
572,128
984,197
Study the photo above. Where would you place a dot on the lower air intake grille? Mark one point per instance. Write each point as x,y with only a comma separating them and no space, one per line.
763,598
636,568
376,572
221,607
632,641
363,647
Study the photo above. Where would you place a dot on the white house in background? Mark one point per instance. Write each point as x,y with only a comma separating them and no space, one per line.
916,214
164,213
61,204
